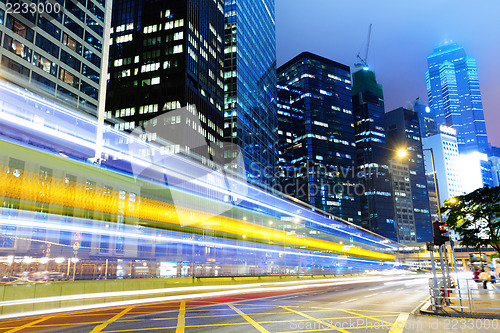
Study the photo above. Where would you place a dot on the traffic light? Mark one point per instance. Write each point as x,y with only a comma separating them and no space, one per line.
439,230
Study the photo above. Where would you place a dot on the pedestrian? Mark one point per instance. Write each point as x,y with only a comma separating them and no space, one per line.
484,277
476,274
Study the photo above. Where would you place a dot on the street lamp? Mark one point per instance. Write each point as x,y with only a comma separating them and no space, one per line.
404,152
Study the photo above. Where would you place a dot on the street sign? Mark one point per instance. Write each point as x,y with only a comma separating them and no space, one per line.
76,246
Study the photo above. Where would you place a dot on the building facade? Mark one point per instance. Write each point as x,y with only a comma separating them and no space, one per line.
372,156
58,51
167,61
409,180
494,157
476,171
454,96
426,118
250,112
446,160
319,149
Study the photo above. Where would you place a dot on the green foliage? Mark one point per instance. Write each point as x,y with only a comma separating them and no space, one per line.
476,217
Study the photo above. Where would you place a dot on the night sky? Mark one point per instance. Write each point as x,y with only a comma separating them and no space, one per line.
402,37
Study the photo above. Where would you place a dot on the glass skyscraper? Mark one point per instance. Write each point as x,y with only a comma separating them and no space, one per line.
316,127
166,56
58,50
409,181
454,96
250,119
372,156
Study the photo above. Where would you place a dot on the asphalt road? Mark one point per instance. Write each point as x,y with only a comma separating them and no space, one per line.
361,307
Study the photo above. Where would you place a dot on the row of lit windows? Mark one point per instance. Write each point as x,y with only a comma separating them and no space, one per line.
125,126
125,61
150,82
123,27
168,25
148,108
150,67
171,120
125,112
124,38
172,105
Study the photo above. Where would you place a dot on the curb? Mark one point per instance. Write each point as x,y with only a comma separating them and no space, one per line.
441,313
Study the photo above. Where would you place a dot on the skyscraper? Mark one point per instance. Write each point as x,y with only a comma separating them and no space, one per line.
319,149
427,128
58,51
168,55
250,119
446,159
372,155
409,182
454,96
426,118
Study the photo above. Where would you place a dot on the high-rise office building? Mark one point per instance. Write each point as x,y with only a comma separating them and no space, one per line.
409,182
494,157
427,128
319,137
377,211
250,119
426,118
454,96
290,128
476,171
57,50
168,55
446,160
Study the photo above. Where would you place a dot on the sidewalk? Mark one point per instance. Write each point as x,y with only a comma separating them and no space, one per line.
480,303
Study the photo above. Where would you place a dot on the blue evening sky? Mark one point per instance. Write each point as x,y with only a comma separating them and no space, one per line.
404,33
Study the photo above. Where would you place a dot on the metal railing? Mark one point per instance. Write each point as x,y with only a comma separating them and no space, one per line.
467,298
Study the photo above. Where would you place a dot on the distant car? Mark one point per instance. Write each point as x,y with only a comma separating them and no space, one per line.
13,280
7,279
54,276
47,276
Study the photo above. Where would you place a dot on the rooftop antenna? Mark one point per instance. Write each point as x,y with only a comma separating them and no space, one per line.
364,62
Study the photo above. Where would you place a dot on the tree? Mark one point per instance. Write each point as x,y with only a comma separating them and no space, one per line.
476,217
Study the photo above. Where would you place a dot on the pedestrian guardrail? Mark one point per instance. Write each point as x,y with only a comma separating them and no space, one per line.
467,296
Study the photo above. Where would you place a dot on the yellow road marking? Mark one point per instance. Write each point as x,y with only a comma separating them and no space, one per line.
99,328
363,316
301,320
329,329
316,320
358,310
250,320
399,324
181,320
30,324
170,327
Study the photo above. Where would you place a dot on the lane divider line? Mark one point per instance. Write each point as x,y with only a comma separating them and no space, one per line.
181,318
30,324
363,316
99,328
400,323
324,323
250,320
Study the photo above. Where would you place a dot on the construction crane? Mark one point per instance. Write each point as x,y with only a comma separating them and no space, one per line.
364,62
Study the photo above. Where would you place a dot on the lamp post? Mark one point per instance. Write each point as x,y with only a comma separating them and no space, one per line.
403,153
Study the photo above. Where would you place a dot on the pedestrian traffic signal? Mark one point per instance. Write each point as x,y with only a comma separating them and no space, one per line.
440,230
